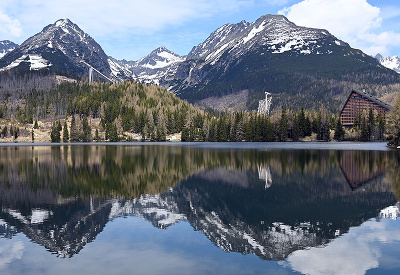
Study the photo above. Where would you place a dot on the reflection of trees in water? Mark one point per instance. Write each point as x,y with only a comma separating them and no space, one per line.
394,175
53,174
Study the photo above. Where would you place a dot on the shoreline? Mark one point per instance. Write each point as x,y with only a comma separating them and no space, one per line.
298,145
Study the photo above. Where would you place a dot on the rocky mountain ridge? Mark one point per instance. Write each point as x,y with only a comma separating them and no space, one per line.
61,47
390,62
159,64
6,46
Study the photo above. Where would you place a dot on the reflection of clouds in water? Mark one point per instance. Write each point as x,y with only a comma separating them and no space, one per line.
353,253
10,251
135,247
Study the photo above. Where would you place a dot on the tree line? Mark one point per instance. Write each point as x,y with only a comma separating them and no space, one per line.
153,113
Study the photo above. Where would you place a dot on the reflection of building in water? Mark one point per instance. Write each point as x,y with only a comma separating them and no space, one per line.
360,168
391,212
264,173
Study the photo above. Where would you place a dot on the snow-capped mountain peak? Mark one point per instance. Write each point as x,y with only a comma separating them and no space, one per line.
273,31
159,58
65,36
6,46
391,62
159,64
61,47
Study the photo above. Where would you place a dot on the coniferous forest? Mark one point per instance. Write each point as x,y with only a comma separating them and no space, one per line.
78,112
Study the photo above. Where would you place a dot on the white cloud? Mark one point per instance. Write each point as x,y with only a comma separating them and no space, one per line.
9,26
354,21
120,16
9,252
353,253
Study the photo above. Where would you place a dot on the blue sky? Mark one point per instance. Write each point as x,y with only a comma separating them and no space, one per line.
131,29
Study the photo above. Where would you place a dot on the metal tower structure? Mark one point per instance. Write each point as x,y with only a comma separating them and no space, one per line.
97,71
265,104
90,75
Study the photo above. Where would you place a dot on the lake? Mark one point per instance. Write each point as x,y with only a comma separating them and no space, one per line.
200,208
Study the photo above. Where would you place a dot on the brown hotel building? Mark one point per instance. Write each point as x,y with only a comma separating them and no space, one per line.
359,101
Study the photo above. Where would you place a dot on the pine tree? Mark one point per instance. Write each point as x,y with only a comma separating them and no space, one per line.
283,126
339,131
364,135
74,131
380,120
96,135
87,130
393,123
65,132
55,134
185,136
4,131
301,121
111,132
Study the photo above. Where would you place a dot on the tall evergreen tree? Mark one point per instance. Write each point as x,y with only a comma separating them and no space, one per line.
393,123
74,131
112,135
65,136
55,134
87,130
339,131
283,126
364,135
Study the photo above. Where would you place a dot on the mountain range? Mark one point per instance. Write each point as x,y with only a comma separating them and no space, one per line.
231,69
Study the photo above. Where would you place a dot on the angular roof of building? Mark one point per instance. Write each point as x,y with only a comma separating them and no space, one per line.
369,97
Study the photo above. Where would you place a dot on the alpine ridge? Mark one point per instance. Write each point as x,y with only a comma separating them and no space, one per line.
154,67
60,48
391,62
6,46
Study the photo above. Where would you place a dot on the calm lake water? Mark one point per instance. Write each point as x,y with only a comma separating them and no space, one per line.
200,208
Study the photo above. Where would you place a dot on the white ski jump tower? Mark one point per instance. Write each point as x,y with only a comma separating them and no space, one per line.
265,104
90,75
91,69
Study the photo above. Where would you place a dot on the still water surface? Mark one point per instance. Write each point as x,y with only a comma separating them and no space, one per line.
200,208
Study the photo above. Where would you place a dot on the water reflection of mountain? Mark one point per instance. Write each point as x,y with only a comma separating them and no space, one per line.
68,195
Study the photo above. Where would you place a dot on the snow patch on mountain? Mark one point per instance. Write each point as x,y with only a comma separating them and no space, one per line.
254,32
34,61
